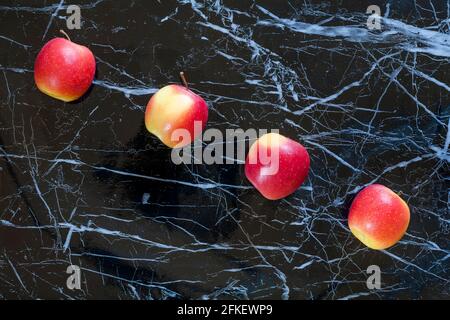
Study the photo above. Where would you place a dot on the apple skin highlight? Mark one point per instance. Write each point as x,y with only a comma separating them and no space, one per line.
64,70
172,108
293,166
378,217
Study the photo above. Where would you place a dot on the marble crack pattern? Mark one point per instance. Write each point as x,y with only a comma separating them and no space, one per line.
85,184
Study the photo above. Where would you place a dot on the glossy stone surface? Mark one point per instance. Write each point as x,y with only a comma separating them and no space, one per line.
85,184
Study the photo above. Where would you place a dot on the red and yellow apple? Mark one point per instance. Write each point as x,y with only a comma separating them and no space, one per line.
276,166
176,115
64,70
378,217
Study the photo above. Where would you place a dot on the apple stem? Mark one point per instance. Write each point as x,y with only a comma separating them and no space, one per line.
183,79
64,33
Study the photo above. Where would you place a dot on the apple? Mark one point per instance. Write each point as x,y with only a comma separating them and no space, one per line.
64,70
176,115
378,217
276,166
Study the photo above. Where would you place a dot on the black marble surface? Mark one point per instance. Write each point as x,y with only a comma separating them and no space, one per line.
85,184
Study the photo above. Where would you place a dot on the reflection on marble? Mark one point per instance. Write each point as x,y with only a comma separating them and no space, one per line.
85,184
